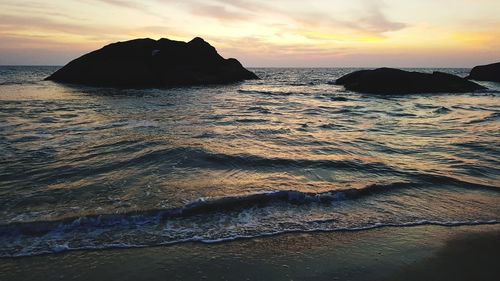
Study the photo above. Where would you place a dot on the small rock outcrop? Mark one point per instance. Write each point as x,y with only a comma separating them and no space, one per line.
489,72
143,63
386,81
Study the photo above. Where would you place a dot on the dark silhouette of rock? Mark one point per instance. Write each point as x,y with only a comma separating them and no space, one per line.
489,72
149,63
396,81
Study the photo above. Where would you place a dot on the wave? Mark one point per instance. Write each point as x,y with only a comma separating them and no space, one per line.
197,157
285,93
324,95
215,204
208,220
9,83
202,206
301,84
493,117
269,93
250,120
254,161
442,110
259,109
349,229
436,180
331,126
338,98
192,157
63,247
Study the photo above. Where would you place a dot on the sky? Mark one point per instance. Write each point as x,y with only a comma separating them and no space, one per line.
278,33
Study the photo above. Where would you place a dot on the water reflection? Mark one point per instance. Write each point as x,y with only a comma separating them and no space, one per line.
70,151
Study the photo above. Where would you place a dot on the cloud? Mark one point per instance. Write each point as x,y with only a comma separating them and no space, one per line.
20,24
371,21
254,30
250,6
219,12
133,5
375,21
122,4
37,49
258,51
35,8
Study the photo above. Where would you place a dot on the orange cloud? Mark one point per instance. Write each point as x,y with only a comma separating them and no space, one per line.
277,33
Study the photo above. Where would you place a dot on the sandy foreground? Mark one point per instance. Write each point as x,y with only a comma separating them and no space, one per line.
403,253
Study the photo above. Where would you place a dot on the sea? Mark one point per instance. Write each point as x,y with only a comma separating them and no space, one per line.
89,168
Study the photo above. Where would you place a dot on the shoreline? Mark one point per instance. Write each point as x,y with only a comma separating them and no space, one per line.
261,236
388,253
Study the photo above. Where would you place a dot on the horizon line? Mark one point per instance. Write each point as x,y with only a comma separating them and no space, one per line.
297,67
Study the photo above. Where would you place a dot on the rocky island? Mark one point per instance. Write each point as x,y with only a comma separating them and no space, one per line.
143,63
489,72
385,81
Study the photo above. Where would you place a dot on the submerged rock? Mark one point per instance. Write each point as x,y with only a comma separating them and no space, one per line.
489,72
396,81
152,63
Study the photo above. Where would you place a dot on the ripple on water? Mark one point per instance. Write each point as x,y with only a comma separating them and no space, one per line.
84,167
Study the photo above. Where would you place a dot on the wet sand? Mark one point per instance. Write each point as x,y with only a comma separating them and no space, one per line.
409,253
465,257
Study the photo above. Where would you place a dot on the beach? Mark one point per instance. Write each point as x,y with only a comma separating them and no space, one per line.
391,253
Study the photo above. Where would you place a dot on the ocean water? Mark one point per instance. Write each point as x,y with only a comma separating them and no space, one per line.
96,168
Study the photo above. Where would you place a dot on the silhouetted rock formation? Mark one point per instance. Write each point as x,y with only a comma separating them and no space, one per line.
489,72
396,81
150,63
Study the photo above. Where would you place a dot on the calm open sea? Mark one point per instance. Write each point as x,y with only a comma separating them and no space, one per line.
95,168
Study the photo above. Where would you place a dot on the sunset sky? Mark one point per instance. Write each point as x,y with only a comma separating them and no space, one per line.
455,33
